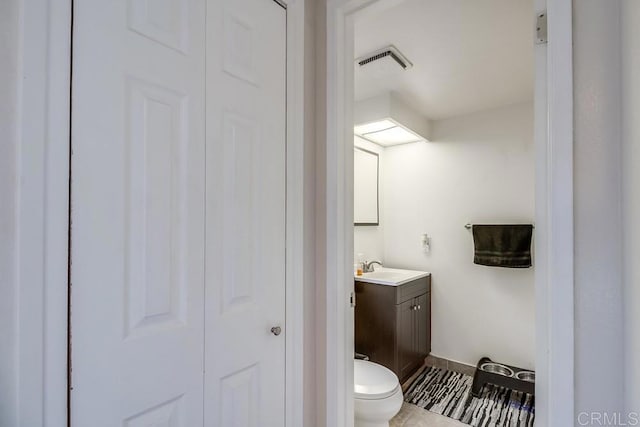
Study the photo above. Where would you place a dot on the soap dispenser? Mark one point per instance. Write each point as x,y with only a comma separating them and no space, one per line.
359,266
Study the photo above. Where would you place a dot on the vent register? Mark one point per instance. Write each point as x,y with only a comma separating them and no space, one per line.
387,52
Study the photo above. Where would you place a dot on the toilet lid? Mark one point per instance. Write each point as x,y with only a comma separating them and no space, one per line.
373,381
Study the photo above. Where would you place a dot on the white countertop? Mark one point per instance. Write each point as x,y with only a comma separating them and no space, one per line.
390,276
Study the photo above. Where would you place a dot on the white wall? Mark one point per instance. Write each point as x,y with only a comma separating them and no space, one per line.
631,198
478,168
597,214
369,239
8,182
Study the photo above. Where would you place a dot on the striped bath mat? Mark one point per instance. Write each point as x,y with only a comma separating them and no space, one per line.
449,393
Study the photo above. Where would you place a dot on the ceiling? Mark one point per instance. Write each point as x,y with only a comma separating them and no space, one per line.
467,55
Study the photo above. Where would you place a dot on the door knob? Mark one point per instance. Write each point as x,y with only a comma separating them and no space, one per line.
276,330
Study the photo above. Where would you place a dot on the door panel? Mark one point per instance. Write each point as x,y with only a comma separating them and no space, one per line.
137,213
423,330
163,89
406,337
245,220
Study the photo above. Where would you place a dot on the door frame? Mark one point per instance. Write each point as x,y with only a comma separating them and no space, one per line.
554,282
42,229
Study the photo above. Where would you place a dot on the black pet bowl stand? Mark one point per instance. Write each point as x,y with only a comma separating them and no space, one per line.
502,375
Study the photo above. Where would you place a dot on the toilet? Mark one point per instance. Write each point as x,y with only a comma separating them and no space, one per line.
377,394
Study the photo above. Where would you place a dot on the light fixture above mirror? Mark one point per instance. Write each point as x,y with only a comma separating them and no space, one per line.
387,132
385,120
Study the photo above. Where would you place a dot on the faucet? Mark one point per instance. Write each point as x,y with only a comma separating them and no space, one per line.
367,267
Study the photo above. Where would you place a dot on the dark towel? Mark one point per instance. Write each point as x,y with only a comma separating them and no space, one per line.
503,245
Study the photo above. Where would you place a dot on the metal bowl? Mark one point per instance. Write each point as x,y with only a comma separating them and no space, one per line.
528,376
497,368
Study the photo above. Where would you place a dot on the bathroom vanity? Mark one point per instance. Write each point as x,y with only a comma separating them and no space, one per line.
393,318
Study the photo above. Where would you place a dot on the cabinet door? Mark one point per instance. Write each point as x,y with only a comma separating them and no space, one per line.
405,337
422,325
375,323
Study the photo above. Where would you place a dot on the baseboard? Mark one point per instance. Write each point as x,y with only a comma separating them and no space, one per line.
451,365
442,363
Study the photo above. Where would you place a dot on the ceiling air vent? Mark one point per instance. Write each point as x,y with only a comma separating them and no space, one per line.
389,52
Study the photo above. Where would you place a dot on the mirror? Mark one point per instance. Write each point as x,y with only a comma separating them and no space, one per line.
365,187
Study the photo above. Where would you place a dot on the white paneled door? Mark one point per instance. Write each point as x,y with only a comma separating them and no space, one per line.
245,221
178,213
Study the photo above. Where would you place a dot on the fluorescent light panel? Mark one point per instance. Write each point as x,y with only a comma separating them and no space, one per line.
386,133
373,127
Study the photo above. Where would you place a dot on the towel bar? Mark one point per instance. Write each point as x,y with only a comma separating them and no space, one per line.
468,226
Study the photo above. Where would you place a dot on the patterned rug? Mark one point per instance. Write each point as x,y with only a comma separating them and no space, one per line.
449,393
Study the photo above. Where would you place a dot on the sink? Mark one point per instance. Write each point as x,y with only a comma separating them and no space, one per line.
391,276
383,275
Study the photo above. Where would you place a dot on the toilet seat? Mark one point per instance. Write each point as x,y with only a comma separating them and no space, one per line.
373,381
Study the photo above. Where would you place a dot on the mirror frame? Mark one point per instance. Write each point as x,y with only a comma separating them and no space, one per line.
377,222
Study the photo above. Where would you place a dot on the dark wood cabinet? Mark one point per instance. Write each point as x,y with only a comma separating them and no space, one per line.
423,324
405,341
393,324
